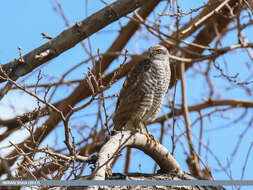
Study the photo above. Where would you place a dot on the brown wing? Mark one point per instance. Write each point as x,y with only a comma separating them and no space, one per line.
132,93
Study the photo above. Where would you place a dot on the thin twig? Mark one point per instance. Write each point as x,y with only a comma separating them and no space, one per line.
194,160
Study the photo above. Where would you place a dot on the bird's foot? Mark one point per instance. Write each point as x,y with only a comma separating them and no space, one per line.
152,138
156,142
149,136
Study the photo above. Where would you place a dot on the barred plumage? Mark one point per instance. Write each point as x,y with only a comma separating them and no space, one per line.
143,91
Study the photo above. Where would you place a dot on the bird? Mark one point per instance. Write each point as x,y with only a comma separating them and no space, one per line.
143,92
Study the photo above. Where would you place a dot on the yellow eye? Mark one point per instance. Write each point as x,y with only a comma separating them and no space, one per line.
158,51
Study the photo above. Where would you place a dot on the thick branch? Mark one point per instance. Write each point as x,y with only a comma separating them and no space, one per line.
126,139
70,37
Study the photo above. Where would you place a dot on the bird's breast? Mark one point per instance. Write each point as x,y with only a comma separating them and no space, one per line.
161,78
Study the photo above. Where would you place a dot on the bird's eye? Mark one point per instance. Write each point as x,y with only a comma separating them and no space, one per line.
158,51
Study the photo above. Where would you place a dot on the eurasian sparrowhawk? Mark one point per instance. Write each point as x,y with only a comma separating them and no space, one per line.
143,91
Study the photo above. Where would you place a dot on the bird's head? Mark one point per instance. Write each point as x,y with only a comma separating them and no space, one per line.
158,52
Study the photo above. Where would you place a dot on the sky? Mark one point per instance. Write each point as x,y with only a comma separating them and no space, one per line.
22,23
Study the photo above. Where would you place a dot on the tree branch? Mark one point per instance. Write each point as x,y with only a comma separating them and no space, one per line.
208,104
124,139
69,38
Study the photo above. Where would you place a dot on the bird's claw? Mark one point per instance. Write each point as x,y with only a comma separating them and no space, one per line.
148,135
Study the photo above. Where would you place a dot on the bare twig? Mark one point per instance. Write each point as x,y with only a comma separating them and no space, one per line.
193,160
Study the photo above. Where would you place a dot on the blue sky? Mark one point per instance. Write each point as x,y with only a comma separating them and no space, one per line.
22,23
